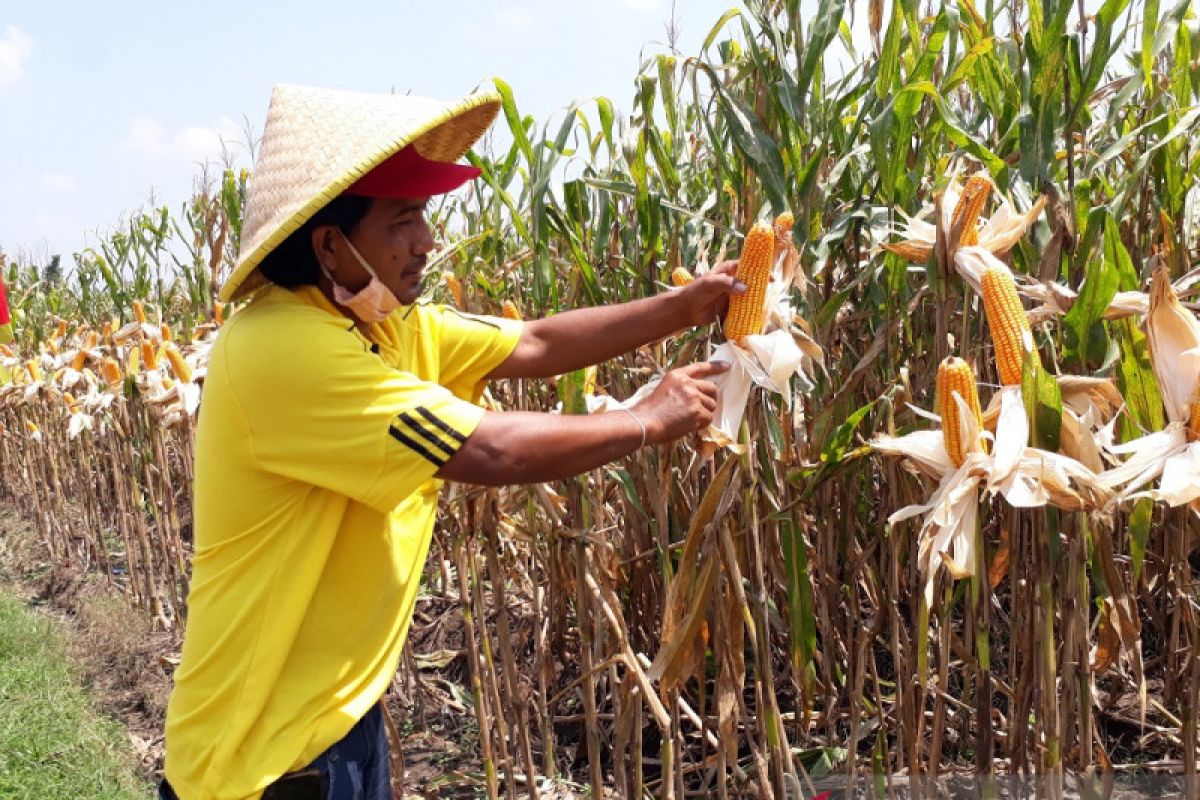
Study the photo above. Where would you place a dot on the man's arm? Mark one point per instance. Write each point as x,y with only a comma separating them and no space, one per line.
510,447
575,339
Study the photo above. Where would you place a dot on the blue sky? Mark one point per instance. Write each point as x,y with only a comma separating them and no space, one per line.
103,106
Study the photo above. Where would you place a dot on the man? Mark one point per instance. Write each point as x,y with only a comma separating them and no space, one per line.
334,407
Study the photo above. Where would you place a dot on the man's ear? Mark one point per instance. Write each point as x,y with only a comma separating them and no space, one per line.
323,238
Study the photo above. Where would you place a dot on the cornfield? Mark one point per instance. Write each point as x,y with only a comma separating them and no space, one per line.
988,208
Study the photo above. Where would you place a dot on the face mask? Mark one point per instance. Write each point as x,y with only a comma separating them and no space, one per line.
374,302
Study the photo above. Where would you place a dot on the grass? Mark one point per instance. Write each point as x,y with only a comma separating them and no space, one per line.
53,743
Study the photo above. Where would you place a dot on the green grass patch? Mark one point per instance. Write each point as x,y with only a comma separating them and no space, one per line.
53,743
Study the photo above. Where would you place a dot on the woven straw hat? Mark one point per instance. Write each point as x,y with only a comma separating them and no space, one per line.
317,142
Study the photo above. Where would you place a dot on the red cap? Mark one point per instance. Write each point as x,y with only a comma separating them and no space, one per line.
409,174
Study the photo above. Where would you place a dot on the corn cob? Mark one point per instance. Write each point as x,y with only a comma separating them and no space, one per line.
681,277
1007,322
783,232
913,252
165,330
954,376
60,331
178,365
970,205
747,310
111,371
139,311
454,285
34,369
81,357
149,356
218,312
508,310
1194,422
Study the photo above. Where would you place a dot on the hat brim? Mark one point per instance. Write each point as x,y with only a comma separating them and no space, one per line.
305,170
409,174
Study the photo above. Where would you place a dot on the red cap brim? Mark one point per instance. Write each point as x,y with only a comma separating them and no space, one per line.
409,174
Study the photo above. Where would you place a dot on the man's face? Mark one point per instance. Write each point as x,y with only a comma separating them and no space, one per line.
394,238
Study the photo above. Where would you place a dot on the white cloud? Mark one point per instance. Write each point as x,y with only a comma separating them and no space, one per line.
516,17
149,137
15,49
57,182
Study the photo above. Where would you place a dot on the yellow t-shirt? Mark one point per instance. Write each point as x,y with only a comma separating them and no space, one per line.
314,504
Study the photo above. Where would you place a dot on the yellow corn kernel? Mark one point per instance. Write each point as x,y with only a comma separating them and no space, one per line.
508,310
454,286
681,277
955,376
1007,321
178,365
970,205
111,371
139,311
748,310
34,370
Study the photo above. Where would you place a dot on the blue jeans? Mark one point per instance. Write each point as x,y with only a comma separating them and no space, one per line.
354,768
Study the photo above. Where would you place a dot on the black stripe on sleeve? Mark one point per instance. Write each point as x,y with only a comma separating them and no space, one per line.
443,427
415,446
425,434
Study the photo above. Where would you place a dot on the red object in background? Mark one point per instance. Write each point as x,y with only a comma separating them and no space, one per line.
4,320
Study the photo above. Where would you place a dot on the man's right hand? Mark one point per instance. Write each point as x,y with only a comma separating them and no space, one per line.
682,403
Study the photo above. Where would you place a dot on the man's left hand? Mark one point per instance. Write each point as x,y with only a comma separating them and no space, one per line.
707,297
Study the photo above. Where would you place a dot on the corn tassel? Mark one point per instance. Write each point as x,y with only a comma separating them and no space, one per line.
954,376
508,310
970,205
748,310
681,277
1008,323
